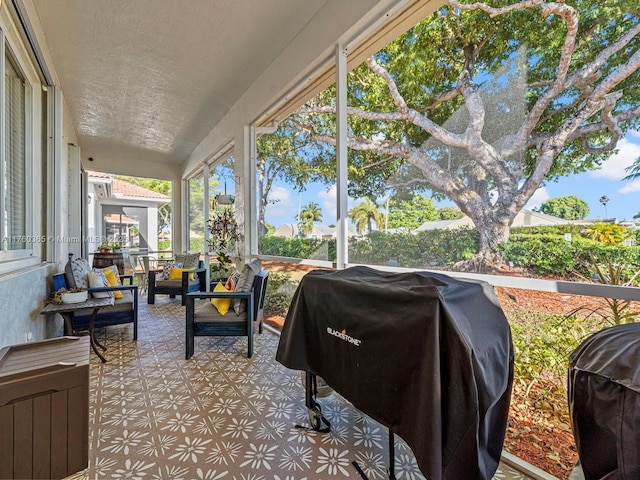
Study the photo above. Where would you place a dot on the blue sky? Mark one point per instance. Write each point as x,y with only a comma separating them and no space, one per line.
624,196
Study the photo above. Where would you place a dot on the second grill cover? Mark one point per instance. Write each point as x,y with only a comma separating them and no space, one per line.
424,354
604,402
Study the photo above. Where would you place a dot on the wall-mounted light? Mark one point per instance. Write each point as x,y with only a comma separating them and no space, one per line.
224,199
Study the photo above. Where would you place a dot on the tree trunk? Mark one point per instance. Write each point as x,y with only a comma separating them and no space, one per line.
492,232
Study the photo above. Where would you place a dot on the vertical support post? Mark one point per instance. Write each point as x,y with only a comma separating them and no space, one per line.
56,167
392,456
75,200
253,197
341,157
180,199
245,189
206,213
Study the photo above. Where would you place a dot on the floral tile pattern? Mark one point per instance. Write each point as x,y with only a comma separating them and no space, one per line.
219,415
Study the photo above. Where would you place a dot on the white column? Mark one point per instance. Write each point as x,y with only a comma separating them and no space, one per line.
341,157
57,166
253,201
245,190
206,214
76,204
179,215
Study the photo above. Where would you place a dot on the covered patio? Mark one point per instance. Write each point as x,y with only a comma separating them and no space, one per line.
221,415
168,89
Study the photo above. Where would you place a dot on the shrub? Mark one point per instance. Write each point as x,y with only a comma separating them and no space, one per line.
164,244
298,248
422,250
280,291
542,343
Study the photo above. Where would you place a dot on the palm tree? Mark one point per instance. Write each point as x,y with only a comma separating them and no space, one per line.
309,214
604,200
364,214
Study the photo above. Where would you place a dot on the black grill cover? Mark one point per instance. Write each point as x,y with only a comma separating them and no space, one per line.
604,402
424,354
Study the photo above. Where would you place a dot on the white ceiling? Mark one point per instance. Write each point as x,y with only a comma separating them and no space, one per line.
149,79
158,85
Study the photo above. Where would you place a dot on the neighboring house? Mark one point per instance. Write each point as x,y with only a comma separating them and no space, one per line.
524,218
290,230
122,212
319,232
591,221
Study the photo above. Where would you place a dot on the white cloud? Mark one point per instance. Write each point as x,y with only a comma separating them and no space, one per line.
631,187
280,195
614,168
328,205
538,198
283,203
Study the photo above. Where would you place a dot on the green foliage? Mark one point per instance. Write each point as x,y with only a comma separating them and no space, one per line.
422,250
411,213
450,213
547,229
159,186
545,255
196,244
288,156
309,214
365,214
222,266
298,248
164,244
460,53
550,254
569,207
607,271
282,287
607,233
542,250
542,343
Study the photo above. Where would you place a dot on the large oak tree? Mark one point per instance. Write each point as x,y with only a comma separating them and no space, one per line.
482,103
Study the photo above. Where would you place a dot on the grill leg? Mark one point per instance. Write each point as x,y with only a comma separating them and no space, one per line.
392,456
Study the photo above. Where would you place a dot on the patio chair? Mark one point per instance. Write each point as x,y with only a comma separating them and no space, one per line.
124,310
208,321
144,264
190,276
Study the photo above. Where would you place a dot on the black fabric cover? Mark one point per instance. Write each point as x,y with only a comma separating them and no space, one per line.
424,354
604,402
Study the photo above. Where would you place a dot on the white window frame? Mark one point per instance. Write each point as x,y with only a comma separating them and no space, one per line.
6,49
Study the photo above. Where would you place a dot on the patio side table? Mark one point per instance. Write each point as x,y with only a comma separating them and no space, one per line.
67,310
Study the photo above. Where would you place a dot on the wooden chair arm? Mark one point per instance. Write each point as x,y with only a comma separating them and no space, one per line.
219,295
133,288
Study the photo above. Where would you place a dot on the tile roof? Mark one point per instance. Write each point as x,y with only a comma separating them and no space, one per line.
126,189
130,190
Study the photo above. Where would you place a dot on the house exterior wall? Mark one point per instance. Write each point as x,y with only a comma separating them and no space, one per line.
23,296
25,276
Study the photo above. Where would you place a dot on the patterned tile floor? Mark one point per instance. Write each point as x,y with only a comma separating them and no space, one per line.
220,415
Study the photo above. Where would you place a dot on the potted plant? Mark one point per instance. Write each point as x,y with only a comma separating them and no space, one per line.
224,235
74,295
222,268
104,247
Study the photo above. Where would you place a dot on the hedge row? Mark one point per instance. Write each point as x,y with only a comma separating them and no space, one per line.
544,251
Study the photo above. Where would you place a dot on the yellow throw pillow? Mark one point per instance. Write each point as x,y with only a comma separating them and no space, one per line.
113,281
176,273
221,304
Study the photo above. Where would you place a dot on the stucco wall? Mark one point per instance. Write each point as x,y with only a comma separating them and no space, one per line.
23,295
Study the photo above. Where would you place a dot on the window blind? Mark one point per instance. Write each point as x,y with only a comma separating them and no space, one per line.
14,171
